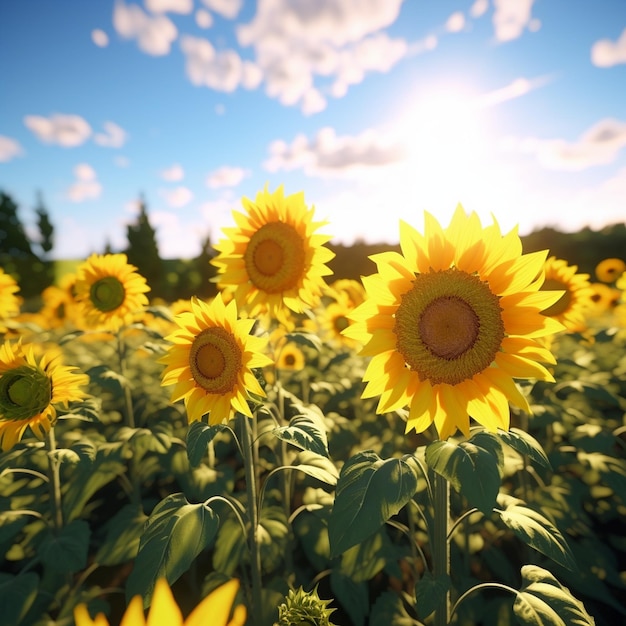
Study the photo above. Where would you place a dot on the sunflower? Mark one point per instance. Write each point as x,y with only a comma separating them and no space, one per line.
215,609
602,298
9,302
609,270
569,309
109,291
31,389
272,259
211,361
334,318
451,321
290,358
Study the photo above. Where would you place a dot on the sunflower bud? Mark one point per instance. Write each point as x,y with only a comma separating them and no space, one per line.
302,608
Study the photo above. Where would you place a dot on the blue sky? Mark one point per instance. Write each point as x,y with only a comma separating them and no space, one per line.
376,109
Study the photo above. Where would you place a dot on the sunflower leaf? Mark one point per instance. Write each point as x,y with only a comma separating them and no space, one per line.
108,378
87,410
17,594
472,470
305,339
306,433
543,600
429,592
317,466
199,435
66,551
174,535
123,533
526,445
370,490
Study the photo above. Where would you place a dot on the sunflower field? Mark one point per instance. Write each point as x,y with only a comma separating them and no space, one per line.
440,442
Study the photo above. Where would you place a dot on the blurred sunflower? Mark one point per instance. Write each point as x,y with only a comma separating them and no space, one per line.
602,298
609,270
334,318
215,610
9,302
352,289
569,309
273,259
109,291
451,321
211,361
30,390
290,358
59,304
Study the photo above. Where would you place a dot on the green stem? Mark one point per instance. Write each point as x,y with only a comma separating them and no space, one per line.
54,482
128,398
250,463
477,588
441,547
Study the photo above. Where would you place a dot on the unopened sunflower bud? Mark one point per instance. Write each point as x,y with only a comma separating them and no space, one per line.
304,608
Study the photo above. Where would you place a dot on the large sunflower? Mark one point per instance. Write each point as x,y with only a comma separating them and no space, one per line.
272,258
215,609
9,302
211,361
569,309
451,321
109,291
30,390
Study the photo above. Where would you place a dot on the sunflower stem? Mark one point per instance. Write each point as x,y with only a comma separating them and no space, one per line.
128,398
250,463
54,482
441,547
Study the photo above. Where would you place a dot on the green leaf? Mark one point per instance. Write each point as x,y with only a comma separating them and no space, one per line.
543,600
430,592
536,530
305,433
305,339
318,467
66,551
65,455
108,378
123,533
229,547
352,596
526,445
369,491
472,470
87,410
17,594
389,609
199,435
174,535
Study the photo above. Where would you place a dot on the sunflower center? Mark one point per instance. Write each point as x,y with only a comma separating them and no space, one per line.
107,294
340,323
275,257
290,360
24,392
563,303
448,326
215,360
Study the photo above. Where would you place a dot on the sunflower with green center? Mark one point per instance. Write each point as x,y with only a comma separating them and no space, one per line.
31,389
451,321
215,609
109,291
273,258
9,302
569,309
211,361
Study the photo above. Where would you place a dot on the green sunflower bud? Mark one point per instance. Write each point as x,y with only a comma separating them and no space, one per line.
25,391
304,608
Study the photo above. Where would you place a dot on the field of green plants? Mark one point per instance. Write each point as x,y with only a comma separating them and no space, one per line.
247,437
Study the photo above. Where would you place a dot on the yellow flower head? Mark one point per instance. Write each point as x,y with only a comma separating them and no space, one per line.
290,358
30,389
609,270
9,302
569,309
110,291
211,361
272,258
215,610
451,321
602,298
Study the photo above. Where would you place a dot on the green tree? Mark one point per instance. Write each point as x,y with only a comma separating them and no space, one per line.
46,229
143,252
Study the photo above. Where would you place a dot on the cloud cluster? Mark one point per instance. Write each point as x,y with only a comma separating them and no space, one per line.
64,130
100,38
606,53
226,177
86,186
183,7
226,8
113,136
178,197
154,33
172,174
512,17
9,149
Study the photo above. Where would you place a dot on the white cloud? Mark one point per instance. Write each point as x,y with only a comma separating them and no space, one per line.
511,17
154,35
456,22
64,130
226,177
222,70
173,174
169,6
226,8
479,8
330,155
9,149
100,38
515,89
204,19
121,161
178,197
86,185
606,53
113,136
599,145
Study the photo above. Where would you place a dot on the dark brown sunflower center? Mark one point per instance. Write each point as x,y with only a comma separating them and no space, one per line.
275,257
107,294
215,360
563,303
290,360
448,326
